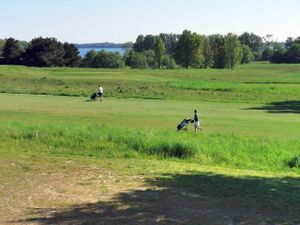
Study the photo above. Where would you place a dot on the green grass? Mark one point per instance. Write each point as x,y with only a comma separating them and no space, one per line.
255,83
246,160
132,128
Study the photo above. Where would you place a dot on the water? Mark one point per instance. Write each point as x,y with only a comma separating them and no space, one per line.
83,51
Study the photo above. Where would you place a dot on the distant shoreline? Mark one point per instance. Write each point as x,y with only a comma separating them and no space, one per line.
100,45
84,50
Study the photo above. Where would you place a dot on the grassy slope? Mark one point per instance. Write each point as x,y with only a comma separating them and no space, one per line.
248,83
237,135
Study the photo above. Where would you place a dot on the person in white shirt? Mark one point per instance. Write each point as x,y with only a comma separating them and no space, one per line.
99,92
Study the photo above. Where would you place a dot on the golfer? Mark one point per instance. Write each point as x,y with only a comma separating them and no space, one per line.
196,121
99,92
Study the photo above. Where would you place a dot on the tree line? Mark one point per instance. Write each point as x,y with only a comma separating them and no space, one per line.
287,53
40,52
187,50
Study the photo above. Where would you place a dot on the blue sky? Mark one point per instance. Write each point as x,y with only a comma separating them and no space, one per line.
83,21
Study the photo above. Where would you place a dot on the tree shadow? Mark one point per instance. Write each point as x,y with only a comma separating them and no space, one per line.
280,107
193,198
271,82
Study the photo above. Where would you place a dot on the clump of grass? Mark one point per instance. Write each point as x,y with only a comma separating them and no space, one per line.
152,143
294,162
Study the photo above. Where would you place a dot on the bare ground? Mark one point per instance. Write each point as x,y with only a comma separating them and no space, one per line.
59,191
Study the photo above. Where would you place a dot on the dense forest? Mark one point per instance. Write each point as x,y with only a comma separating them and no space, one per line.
169,51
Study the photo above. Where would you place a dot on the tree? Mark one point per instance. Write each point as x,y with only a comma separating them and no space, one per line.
71,56
279,54
128,46
188,51
254,41
267,54
2,42
88,59
170,41
11,52
159,50
208,54
284,54
289,42
233,51
151,59
293,54
149,41
247,55
138,46
45,52
217,42
127,57
199,60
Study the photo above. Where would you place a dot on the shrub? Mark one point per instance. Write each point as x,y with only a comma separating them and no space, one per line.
105,59
168,62
137,60
102,59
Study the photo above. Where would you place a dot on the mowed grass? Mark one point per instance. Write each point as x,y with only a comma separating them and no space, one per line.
255,83
133,128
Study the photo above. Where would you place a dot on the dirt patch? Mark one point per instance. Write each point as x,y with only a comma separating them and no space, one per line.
57,191
29,185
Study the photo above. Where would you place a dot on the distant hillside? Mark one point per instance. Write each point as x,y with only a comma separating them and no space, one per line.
100,45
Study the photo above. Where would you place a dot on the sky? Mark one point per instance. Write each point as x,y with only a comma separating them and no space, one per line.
89,21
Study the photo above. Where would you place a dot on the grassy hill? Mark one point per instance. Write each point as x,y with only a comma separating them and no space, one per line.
66,160
256,83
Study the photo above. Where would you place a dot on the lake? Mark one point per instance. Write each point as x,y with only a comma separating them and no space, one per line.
83,51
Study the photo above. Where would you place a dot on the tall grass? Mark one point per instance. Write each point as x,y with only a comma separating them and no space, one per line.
215,149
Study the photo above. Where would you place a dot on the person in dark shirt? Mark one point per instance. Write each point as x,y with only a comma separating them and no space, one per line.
196,121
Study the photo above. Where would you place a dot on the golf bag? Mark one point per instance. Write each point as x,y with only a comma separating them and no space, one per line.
93,97
183,124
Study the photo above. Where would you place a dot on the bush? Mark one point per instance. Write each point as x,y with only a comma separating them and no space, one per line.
102,59
137,60
105,59
168,63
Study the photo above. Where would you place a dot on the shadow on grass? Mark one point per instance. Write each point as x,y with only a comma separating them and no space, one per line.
193,198
280,107
271,82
